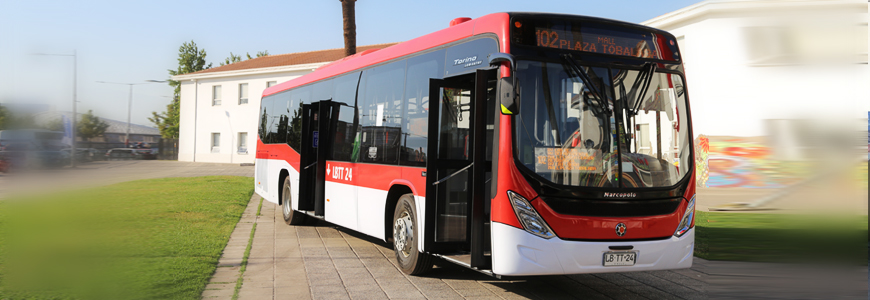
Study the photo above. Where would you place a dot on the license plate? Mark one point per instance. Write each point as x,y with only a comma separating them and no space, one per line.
619,258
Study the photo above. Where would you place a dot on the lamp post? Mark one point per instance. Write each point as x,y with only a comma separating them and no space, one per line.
72,163
130,104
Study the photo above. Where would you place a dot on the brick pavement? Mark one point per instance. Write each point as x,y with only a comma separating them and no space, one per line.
322,261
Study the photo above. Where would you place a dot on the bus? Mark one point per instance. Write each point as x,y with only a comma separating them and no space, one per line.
32,148
512,144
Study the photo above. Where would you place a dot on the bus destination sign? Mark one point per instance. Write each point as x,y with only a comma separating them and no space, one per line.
561,39
549,159
592,37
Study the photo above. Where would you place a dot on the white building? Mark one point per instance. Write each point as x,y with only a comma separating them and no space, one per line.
220,106
750,64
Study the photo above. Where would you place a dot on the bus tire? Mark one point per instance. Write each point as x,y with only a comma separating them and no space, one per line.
291,217
405,240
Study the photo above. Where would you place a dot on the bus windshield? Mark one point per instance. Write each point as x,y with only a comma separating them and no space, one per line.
602,126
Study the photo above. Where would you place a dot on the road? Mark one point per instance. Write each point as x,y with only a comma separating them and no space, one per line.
101,173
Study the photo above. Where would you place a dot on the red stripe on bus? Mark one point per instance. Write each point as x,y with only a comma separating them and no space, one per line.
278,152
603,228
509,178
690,193
376,176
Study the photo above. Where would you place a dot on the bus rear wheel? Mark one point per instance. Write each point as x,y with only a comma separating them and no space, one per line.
291,217
405,239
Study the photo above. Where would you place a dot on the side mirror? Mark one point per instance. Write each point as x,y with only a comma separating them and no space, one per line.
510,103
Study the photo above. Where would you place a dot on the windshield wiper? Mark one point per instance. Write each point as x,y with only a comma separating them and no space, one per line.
644,78
578,71
548,99
600,108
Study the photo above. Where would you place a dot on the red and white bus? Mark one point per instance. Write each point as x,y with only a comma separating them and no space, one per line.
513,144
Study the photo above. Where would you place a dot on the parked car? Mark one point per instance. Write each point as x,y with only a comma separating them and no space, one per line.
82,155
95,154
130,154
4,164
146,154
14,160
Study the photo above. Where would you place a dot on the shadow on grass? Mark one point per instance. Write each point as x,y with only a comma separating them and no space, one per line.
843,246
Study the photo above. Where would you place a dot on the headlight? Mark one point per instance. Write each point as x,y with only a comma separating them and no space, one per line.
529,217
686,222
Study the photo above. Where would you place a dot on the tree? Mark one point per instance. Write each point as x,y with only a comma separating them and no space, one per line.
91,126
55,124
190,59
168,122
259,54
233,59
9,120
237,58
4,118
349,18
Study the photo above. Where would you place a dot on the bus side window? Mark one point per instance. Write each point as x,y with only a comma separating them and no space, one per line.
265,119
345,91
322,91
415,124
381,114
291,117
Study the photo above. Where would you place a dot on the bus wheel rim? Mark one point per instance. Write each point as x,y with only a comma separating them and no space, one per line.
286,205
403,234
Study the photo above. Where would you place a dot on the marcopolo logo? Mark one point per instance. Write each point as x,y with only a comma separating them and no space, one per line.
621,229
620,195
467,62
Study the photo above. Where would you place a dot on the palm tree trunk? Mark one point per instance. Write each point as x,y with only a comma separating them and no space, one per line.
348,13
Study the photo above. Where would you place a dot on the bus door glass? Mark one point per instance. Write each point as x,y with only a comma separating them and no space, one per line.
457,166
318,121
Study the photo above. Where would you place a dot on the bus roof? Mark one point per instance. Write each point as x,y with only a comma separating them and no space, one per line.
497,23
492,23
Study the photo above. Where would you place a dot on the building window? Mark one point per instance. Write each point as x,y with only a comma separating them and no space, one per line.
243,143
243,93
215,142
216,95
270,83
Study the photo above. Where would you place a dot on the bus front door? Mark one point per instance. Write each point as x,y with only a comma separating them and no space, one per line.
456,170
318,122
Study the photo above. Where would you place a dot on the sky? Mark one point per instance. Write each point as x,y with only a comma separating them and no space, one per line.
135,41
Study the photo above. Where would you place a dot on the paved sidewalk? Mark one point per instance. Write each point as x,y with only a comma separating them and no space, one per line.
322,261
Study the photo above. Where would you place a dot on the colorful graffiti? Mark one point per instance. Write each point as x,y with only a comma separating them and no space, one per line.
742,162
702,150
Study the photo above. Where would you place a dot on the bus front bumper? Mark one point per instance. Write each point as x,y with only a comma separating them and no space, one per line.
517,252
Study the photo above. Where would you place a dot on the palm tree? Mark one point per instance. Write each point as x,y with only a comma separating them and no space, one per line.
347,11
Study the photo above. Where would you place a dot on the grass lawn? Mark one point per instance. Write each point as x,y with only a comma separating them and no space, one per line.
781,237
147,239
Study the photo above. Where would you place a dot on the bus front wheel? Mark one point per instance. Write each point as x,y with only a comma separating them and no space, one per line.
405,239
291,217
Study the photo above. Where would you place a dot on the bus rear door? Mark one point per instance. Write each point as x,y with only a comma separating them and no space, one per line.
319,120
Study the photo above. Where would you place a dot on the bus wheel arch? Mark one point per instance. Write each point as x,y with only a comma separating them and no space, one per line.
291,217
281,177
393,196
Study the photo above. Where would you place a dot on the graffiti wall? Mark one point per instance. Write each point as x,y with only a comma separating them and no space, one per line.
742,162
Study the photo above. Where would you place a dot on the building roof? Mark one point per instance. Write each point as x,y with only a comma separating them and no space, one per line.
289,59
